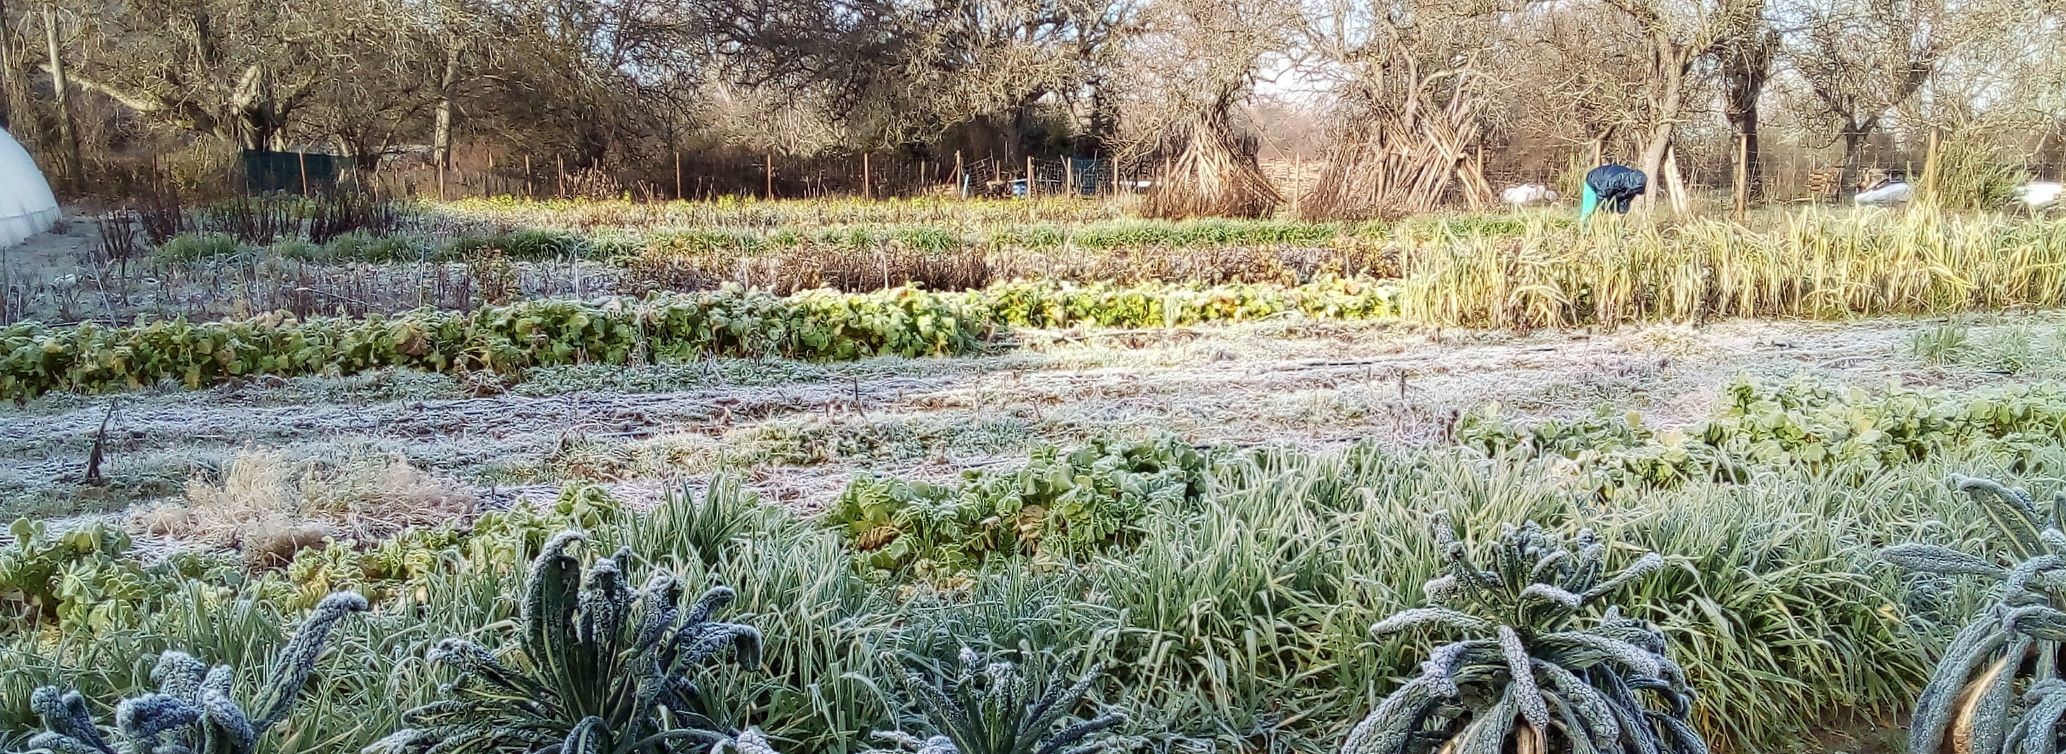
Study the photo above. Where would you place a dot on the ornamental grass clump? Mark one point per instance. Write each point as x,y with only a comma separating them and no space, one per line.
1544,670
193,711
598,668
991,708
1998,687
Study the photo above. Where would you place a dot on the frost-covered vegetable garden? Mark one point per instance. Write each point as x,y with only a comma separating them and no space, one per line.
615,478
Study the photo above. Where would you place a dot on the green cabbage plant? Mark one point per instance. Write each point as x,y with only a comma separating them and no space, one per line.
1998,687
990,708
1539,668
193,710
597,668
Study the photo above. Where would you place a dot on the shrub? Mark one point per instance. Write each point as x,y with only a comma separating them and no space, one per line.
188,248
269,506
990,708
1543,669
85,581
1981,695
1971,174
192,712
597,669
1058,505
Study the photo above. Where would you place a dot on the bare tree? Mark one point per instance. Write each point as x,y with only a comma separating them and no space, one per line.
15,108
1189,67
1862,59
1745,56
1674,38
236,70
1410,100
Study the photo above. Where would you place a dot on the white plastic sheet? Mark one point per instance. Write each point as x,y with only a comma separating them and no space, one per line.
26,205
1885,194
1526,194
2040,194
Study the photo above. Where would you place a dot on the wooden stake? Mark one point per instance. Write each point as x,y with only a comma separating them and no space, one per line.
771,177
528,192
1742,175
75,167
867,188
302,157
1298,181
1069,175
1930,168
561,162
1674,181
1029,176
960,182
677,177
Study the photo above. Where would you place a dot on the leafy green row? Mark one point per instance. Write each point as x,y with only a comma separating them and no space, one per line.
1047,305
815,325
1796,425
536,244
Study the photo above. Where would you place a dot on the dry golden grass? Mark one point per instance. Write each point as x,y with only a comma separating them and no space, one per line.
1812,264
269,506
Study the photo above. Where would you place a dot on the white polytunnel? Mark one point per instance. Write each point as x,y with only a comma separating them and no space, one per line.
27,207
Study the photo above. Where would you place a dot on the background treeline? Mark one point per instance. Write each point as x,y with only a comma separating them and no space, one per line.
1397,105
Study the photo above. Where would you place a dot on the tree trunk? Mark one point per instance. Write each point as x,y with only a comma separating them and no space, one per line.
1671,73
15,108
1746,70
441,132
1855,132
1746,125
75,165
1654,152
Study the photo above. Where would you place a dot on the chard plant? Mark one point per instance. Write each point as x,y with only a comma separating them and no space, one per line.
194,710
1998,687
991,708
1541,667
597,668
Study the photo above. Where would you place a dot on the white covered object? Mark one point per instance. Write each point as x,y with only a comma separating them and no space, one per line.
1887,193
2039,194
1526,194
26,205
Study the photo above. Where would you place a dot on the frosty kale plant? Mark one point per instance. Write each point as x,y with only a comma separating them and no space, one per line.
1998,686
597,668
992,709
193,711
1540,668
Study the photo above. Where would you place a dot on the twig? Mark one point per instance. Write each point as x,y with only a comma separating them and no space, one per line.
100,441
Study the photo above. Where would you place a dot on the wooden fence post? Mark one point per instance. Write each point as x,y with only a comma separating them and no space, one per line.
771,177
1029,176
677,177
1930,168
960,183
1742,175
1298,182
867,187
303,158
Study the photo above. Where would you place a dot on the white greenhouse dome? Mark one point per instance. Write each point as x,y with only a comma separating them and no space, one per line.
26,205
